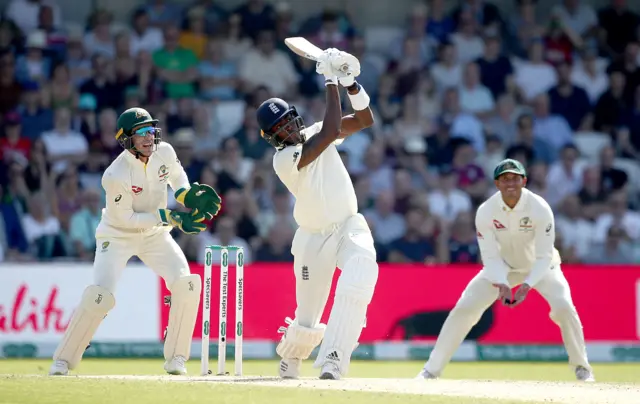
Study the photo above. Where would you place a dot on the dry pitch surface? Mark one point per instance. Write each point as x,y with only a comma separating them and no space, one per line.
138,382
557,392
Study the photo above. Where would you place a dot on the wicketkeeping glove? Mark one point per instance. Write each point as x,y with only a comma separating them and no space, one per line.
202,198
187,222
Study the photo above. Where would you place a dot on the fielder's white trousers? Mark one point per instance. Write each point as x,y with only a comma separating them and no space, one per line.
158,251
316,256
480,294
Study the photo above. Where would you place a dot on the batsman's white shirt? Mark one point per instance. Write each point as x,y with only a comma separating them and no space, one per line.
323,189
519,239
136,191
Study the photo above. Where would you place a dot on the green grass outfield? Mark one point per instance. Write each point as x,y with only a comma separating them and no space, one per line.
23,381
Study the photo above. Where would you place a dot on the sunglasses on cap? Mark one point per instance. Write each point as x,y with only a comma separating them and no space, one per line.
145,130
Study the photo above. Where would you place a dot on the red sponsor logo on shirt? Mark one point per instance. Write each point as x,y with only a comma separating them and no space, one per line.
136,190
498,225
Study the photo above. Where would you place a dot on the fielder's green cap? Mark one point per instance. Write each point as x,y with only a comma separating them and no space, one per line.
509,166
131,118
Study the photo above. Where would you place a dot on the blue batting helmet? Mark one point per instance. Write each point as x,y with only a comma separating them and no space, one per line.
280,124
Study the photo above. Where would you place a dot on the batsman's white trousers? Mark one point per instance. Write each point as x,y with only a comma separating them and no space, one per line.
480,294
158,251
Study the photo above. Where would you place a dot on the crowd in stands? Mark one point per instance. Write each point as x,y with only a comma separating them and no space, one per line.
458,87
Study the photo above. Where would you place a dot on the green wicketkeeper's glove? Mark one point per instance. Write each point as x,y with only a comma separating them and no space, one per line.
202,198
186,222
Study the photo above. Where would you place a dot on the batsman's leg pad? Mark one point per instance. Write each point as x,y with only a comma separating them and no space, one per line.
348,316
94,305
298,342
185,298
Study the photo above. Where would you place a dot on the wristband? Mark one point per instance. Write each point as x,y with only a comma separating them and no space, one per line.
331,80
359,100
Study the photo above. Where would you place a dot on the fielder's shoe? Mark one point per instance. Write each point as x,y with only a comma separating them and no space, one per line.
330,371
176,366
424,374
59,368
290,368
584,375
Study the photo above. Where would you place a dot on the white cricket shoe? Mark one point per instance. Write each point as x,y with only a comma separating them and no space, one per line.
176,366
584,375
424,374
59,368
290,368
330,371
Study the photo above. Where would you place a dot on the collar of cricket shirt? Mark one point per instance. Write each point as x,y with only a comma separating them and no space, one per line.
131,158
519,206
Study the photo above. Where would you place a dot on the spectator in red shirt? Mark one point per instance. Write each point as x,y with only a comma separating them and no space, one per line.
13,146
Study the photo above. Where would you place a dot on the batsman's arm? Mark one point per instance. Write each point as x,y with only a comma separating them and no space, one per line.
330,131
362,117
544,239
495,267
120,206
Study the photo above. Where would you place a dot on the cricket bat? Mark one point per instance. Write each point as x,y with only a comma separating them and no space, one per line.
302,47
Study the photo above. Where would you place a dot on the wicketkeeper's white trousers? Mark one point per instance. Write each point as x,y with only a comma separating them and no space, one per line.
158,251
480,294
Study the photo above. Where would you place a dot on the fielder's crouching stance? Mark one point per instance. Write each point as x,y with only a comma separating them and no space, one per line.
135,221
331,233
516,235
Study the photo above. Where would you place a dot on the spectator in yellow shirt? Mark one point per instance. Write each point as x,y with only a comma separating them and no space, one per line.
194,37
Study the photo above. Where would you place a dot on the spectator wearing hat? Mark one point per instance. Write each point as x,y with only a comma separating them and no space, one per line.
13,146
34,65
85,120
35,119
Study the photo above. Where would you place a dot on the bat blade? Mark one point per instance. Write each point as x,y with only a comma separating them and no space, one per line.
302,47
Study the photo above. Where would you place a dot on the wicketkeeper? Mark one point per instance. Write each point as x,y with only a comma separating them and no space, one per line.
136,221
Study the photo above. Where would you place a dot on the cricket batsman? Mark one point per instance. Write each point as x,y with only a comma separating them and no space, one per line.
136,221
516,234
331,232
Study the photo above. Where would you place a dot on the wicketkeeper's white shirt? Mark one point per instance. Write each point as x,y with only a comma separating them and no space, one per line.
323,189
136,191
519,239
